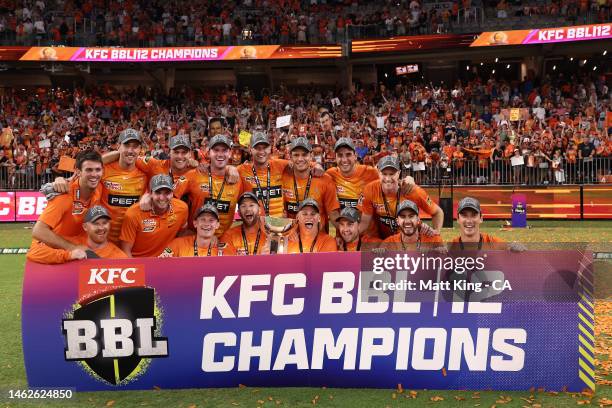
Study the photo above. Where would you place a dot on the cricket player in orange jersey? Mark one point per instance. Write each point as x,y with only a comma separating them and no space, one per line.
299,184
308,235
147,233
92,242
63,216
347,232
212,186
381,199
204,242
469,218
409,236
250,237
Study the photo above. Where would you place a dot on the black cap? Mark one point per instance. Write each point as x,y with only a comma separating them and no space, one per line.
344,142
350,213
309,202
95,213
220,139
408,205
207,208
180,141
160,181
300,142
259,137
128,135
388,161
247,194
469,202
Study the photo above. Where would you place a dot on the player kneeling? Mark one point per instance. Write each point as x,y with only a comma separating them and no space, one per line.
204,243
347,233
91,243
309,236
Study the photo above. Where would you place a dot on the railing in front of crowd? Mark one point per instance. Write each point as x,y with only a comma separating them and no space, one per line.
594,170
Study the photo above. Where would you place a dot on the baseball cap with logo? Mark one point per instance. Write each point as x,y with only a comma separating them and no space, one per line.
248,194
309,202
180,141
350,213
344,142
207,208
129,134
300,142
259,137
408,205
388,161
220,139
96,212
160,181
469,202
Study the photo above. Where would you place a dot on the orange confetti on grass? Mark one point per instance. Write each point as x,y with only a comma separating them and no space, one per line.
444,371
110,403
400,389
436,398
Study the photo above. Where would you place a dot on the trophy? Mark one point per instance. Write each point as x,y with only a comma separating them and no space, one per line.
278,229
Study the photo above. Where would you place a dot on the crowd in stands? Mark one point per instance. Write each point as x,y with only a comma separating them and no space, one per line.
162,23
461,131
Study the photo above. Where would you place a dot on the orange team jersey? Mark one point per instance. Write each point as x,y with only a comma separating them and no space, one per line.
374,205
275,184
233,237
349,189
152,166
65,213
365,243
198,191
490,240
322,189
324,243
44,254
122,189
183,247
394,242
151,233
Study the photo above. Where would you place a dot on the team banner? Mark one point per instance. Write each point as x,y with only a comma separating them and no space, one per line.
544,35
21,205
178,54
438,320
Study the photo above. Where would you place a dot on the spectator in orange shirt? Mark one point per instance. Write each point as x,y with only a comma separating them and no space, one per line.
63,216
309,236
204,243
249,237
92,242
409,226
347,231
469,218
147,233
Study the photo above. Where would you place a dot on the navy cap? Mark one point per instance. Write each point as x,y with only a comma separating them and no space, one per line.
248,194
408,205
469,202
95,213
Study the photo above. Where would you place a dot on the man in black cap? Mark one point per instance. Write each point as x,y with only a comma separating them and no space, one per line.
146,233
409,226
469,219
308,235
91,243
381,200
299,184
347,231
250,237
204,242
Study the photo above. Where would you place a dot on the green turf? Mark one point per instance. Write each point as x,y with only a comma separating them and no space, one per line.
598,235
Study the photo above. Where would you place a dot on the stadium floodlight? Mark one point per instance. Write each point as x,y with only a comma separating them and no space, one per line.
604,53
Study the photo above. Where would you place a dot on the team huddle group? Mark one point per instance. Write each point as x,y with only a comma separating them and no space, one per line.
123,205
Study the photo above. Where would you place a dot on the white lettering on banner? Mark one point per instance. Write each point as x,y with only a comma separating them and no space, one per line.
279,308
5,205
30,205
329,292
96,276
376,343
96,53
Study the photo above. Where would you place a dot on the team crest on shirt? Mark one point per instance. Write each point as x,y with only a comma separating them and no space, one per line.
179,180
148,225
205,188
77,208
340,189
111,185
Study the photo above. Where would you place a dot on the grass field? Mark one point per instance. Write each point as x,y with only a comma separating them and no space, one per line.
597,236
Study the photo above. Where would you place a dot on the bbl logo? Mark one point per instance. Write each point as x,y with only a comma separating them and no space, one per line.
114,336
